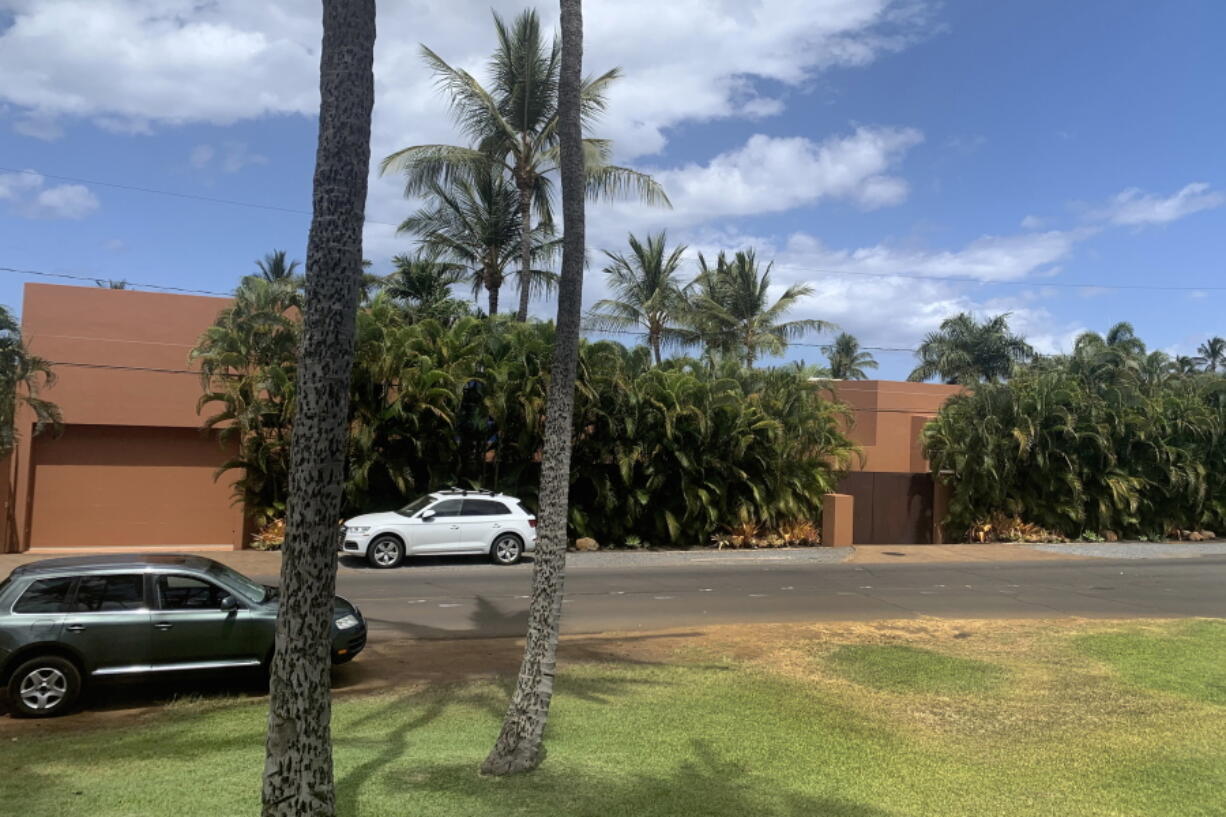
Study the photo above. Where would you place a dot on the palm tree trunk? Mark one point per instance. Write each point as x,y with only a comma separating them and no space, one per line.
298,760
518,748
493,289
525,250
654,340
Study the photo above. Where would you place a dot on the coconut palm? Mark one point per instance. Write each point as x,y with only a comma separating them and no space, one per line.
1213,354
23,376
847,361
513,124
648,294
298,759
474,222
964,351
519,745
421,284
275,266
1185,365
732,313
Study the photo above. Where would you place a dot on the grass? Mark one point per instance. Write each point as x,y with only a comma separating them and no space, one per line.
1075,721
905,669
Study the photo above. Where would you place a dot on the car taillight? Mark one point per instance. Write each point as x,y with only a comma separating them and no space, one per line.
532,522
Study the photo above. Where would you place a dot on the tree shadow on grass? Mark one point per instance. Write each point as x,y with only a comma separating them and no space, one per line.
702,784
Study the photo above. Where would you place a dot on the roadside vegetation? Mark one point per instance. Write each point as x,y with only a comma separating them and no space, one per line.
926,719
1109,441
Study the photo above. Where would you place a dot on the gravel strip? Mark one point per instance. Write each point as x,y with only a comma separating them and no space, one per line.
1140,550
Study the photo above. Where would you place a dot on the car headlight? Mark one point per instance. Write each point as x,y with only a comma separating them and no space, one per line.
346,622
358,529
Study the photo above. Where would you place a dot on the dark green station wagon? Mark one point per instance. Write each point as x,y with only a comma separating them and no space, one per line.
65,621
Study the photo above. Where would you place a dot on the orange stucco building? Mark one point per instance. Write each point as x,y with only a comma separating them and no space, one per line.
133,468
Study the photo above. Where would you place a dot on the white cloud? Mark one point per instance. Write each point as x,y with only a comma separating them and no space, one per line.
774,174
201,155
1133,207
1033,223
39,126
231,157
28,197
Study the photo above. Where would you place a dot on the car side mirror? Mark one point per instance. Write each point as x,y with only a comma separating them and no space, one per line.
229,604
427,515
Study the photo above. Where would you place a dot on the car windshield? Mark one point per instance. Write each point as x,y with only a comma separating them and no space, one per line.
252,590
416,505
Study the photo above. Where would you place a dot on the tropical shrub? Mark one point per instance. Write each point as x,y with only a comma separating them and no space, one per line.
1108,439
663,454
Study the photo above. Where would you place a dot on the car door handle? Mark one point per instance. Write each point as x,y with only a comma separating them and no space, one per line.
163,625
455,527
496,525
75,628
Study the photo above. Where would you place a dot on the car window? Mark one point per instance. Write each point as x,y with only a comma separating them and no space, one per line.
447,508
416,505
524,508
187,593
108,594
484,507
45,596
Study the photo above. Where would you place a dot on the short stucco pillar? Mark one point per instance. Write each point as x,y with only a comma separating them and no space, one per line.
838,511
940,509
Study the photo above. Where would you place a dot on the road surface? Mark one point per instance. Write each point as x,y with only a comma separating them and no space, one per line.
469,600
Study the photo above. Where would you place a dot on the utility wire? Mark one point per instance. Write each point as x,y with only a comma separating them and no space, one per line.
825,271
98,280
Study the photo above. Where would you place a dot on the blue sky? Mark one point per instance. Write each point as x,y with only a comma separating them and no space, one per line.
859,143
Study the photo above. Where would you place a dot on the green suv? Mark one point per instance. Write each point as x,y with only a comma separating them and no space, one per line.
63,621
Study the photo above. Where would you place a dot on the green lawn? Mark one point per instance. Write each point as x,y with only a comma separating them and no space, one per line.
1097,719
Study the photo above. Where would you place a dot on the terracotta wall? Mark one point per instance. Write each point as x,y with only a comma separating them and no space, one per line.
122,485
888,416
132,464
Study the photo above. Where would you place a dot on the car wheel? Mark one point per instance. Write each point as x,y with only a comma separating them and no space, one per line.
506,549
385,552
44,687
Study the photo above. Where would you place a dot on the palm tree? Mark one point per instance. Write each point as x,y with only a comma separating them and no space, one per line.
847,362
1186,365
1213,353
514,125
298,760
474,222
732,311
274,267
964,351
22,377
648,292
422,284
518,748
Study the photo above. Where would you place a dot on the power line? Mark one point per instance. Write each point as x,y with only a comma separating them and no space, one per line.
93,279
174,194
825,271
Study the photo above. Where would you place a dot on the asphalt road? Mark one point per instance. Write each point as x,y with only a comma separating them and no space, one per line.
469,600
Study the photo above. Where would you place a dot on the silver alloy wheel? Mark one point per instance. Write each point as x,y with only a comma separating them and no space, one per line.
386,552
506,549
43,689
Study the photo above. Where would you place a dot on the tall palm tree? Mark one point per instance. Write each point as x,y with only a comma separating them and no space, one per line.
518,748
23,376
964,351
1185,365
275,266
474,221
422,284
514,125
1213,354
847,361
733,314
648,292
298,758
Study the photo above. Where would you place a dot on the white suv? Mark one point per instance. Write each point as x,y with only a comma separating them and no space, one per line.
444,523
